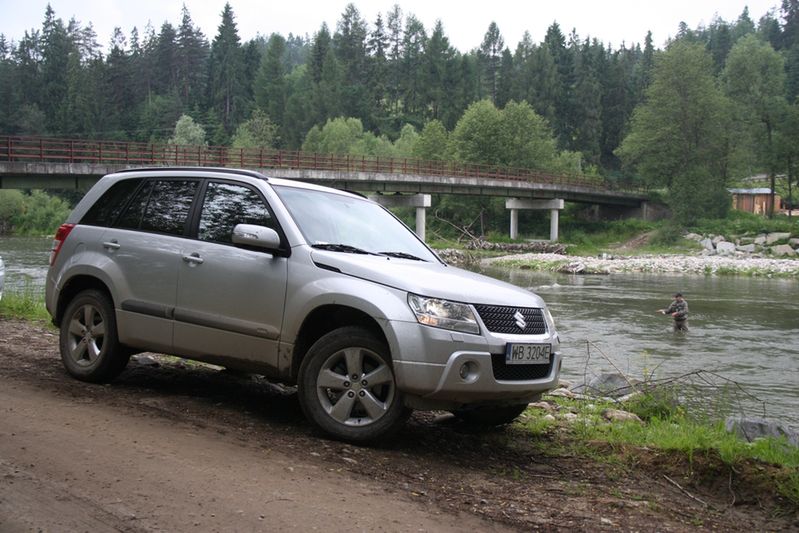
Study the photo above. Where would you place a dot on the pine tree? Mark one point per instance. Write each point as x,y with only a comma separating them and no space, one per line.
227,90
192,57
270,86
490,55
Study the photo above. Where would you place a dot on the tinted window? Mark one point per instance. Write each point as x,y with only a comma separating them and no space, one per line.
160,206
107,208
225,206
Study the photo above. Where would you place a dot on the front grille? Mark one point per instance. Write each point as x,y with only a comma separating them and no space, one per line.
505,372
500,319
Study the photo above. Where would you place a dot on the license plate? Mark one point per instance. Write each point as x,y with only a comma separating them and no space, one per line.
527,354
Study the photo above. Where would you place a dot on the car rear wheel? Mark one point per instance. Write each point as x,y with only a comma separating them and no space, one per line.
88,341
490,415
347,386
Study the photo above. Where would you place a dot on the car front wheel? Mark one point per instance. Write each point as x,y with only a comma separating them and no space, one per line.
347,386
90,349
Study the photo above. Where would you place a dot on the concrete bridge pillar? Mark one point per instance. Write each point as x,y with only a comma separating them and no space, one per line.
554,206
420,201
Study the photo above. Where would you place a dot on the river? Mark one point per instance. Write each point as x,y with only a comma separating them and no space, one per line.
743,329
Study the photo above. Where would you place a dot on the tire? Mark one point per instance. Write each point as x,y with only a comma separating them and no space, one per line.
347,387
490,415
88,341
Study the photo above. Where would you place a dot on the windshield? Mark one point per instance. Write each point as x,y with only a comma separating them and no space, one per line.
349,224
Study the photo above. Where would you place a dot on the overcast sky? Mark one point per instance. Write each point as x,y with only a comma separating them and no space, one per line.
465,21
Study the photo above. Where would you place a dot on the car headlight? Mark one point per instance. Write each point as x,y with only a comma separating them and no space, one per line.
443,314
549,319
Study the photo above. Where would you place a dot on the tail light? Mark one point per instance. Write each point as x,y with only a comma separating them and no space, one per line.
60,236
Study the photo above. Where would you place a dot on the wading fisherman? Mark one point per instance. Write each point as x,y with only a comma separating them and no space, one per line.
678,311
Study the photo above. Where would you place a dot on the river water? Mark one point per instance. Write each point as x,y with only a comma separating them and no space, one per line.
742,329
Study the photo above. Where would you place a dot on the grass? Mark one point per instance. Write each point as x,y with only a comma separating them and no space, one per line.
25,302
667,427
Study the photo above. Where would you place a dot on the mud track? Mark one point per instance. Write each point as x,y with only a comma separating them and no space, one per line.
175,446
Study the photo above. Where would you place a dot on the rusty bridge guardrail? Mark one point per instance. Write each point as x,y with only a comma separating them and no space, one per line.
59,150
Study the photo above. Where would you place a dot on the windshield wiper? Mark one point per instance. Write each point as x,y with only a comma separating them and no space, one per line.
346,248
403,255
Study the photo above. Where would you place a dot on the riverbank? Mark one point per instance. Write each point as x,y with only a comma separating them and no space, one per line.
655,264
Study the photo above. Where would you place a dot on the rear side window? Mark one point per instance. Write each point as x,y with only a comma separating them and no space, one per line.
228,204
160,206
108,207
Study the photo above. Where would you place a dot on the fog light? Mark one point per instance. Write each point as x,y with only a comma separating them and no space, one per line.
466,369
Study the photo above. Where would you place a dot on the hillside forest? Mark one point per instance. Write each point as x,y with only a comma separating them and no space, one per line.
716,106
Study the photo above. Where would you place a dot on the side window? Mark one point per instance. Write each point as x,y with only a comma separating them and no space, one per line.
160,206
226,205
107,208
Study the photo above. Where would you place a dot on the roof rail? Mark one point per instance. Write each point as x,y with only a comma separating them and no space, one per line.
226,170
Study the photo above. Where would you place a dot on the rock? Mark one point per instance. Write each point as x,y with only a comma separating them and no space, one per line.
783,250
753,428
771,238
693,237
747,248
561,393
145,360
725,248
746,240
565,384
569,417
794,242
760,240
717,239
549,418
546,406
617,415
610,384
707,244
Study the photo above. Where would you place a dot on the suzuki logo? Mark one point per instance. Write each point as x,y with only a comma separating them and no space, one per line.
520,320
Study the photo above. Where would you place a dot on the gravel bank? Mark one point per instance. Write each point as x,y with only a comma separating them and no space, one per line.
682,264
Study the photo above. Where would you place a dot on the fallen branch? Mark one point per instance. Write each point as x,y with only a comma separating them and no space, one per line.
684,491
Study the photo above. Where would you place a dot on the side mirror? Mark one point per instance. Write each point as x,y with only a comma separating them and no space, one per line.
256,236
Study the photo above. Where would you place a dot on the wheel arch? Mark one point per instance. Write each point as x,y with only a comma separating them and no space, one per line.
325,319
73,287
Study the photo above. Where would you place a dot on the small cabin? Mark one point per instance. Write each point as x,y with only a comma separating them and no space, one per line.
754,200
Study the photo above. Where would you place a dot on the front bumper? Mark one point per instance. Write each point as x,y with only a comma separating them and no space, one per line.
428,365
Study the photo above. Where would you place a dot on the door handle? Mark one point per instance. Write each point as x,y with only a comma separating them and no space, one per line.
112,245
193,259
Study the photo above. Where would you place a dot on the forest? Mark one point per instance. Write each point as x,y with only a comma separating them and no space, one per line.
714,107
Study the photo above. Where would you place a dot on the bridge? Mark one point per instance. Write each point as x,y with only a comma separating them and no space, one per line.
42,162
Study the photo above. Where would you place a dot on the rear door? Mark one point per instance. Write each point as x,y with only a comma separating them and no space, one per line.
143,248
230,300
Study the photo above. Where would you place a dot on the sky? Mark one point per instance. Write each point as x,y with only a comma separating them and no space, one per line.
465,21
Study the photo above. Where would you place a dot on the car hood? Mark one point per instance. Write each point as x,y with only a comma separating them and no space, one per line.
428,279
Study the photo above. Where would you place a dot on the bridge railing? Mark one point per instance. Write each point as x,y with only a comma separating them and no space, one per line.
57,150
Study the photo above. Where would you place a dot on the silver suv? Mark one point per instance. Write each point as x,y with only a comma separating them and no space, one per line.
304,284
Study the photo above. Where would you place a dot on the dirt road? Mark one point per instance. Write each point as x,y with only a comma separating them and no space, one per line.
178,447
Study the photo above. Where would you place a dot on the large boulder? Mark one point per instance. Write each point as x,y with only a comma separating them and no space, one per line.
610,384
747,248
707,244
794,242
760,240
754,428
725,248
693,237
771,238
783,250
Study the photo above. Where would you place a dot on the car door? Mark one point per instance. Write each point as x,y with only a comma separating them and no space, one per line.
230,300
144,246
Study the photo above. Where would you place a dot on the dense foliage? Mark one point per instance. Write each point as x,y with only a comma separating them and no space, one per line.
716,105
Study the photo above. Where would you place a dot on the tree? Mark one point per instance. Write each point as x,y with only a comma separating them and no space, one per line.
187,132
433,143
226,73
192,57
680,136
257,132
754,77
270,85
491,56
350,47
